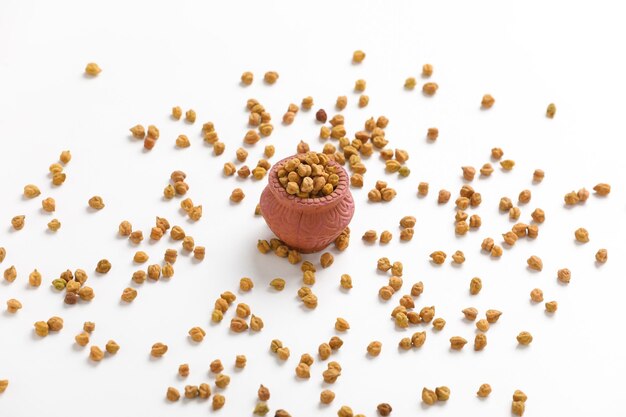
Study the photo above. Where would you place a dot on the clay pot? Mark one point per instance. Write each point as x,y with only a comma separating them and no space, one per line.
307,224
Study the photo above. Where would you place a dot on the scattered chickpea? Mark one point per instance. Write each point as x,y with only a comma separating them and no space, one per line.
432,134
384,409
335,343
326,259
10,274
18,222
428,396
407,234
602,256
535,263
475,285
247,78
581,235
55,168
492,315
177,113
41,328
386,236
571,198
169,191
358,56
31,191
331,374
13,306
96,354
480,341
138,132
278,284
341,103
509,238
263,393
484,390
34,278
507,164
487,101
190,116
430,88
470,313
183,370
497,153
536,295
96,203
462,203
58,178
458,257
283,353
468,173
112,347
92,69
307,103
327,396
172,394
197,334
514,213
486,170
222,381
240,361
564,275
218,401
457,342
191,391
324,350
82,339
602,189
524,338
182,141
129,294
438,257
518,408
439,323
238,325
482,325
237,195
551,306
199,252
153,132
443,393
341,325
346,281
158,349
496,251
370,236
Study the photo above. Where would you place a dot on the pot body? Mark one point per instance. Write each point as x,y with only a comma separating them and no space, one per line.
311,224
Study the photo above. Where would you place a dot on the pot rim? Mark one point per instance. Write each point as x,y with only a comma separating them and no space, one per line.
330,200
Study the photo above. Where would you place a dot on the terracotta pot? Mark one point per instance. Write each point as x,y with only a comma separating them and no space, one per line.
307,224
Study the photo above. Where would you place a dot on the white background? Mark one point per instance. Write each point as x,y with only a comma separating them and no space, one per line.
157,54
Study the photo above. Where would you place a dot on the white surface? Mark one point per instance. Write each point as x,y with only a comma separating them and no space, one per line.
155,55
